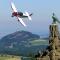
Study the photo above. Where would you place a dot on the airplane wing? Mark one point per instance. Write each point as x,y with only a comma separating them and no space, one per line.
21,21
13,7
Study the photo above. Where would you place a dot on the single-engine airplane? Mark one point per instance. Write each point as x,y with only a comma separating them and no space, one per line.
20,15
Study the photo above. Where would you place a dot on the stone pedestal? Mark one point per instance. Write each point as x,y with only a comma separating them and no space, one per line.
53,41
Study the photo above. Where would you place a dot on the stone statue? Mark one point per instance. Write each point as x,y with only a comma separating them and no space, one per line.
55,19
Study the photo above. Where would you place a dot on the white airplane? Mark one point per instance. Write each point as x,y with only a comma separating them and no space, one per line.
20,15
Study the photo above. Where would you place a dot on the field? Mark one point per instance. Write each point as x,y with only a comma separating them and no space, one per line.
39,42
9,57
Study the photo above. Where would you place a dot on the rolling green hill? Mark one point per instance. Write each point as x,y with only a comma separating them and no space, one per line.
22,43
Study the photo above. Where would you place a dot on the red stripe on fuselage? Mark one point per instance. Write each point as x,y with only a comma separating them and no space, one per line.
14,13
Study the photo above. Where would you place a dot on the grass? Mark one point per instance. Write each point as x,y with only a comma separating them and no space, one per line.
9,57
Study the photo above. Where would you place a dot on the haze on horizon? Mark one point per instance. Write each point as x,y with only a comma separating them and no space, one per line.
42,11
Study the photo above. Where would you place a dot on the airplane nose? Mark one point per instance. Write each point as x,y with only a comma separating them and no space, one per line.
14,14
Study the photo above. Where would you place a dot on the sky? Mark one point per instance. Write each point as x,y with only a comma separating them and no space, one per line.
41,19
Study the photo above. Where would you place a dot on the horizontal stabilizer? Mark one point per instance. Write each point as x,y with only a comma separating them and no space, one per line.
28,15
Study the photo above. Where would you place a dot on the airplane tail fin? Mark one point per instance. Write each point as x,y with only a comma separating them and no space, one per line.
31,14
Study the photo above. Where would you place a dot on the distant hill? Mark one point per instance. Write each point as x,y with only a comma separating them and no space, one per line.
20,36
20,43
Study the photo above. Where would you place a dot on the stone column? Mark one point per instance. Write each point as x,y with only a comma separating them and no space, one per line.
53,41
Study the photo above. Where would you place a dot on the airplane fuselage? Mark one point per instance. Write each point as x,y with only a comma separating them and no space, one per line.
17,14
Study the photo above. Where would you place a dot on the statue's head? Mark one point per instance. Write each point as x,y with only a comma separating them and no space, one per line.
53,14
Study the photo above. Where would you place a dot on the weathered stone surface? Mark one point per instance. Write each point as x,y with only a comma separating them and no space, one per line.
54,44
